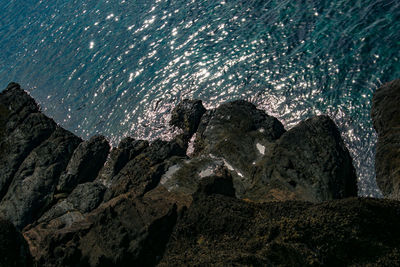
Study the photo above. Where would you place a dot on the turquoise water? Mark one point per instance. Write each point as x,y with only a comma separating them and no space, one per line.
119,67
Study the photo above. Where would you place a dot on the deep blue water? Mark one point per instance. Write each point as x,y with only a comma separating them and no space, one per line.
119,67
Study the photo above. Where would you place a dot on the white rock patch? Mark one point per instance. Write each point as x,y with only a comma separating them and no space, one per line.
260,148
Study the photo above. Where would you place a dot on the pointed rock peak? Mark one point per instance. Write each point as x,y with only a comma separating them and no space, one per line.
187,115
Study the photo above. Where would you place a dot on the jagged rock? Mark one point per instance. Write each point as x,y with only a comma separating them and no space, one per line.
85,164
144,172
127,149
86,197
385,116
126,231
223,231
22,128
309,162
32,188
14,251
234,133
187,115
81,209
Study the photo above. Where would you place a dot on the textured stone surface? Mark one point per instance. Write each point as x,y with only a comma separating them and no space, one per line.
33,186
223,231
127,149
85,164
22,128
386,119
309,162
125,231
144,172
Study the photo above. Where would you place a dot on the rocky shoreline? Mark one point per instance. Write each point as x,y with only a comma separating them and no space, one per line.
248,193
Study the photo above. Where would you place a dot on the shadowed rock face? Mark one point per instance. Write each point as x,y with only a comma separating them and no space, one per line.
240,199
14,251
385,116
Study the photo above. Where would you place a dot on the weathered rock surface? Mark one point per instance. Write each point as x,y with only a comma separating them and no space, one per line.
317,168
126,231
223,231
385,116
86,162
250,194
22,129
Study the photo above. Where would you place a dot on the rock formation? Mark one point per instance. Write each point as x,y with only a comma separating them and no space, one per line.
251,193
385,116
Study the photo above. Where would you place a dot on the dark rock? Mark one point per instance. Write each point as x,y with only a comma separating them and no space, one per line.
144,172
14,251
385,116
86,197
127,149
224,231
219,184
22,128
125,231
187,115
309,162
32,188
232,133
85,164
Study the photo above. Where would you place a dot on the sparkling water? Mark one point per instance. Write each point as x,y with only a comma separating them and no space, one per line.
117,68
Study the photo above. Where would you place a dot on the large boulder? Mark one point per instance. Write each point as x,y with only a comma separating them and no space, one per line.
309,162
385,115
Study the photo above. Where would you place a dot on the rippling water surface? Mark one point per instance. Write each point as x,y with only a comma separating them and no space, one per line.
119,67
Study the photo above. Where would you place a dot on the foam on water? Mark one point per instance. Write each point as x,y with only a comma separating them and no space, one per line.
119,67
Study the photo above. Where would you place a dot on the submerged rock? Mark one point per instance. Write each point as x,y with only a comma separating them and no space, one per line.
386,119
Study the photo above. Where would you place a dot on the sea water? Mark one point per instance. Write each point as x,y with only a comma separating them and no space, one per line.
117,68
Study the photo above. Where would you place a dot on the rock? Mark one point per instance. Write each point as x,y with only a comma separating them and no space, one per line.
127,149
187,115
125,231
386,120
33,186
223,231
85,164
309,162
87,196
144,172
22,128
219,184
233,133
14,251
